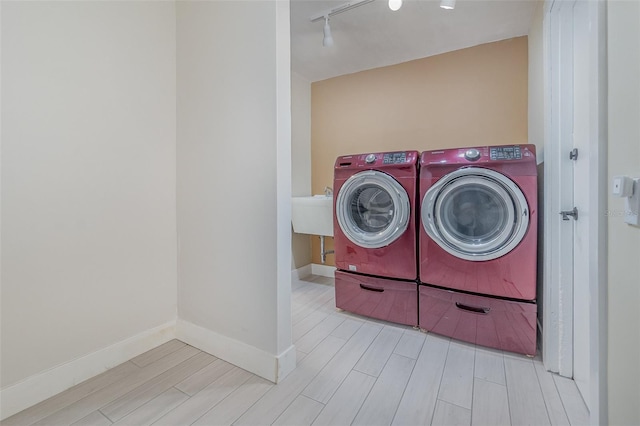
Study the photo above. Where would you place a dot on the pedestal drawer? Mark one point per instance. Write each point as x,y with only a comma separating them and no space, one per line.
385,299
486,321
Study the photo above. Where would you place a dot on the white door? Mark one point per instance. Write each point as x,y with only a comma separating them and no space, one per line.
575,217
581,198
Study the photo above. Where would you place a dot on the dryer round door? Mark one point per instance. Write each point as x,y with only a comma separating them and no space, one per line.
475,214
372,209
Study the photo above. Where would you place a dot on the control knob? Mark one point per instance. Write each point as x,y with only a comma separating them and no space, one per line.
472,154
370,158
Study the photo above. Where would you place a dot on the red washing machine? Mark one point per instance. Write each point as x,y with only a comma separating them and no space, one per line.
375,235
478,245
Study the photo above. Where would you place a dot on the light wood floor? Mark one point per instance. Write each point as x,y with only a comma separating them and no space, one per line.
351,370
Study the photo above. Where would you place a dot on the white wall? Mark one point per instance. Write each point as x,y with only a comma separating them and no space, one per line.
536,82
88,179
535,129
300,160
233,186
624,240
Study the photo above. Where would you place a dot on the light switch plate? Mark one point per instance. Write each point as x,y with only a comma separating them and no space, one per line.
622,186
632,205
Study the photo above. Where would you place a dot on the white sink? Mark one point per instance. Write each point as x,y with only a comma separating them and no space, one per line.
312,215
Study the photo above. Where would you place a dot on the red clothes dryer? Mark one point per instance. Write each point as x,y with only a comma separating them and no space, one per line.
478,238
374,235
374,229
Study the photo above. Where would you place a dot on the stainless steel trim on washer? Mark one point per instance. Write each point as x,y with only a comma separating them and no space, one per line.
372,209
452,214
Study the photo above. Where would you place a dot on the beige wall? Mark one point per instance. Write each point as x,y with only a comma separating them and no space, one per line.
624,240
474,96
88,179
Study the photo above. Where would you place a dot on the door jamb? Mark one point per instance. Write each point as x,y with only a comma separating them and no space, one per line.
557,318
554,346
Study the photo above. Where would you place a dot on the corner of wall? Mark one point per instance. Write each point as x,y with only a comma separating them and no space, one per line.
303,272
323,270
41,386
285,363
257,361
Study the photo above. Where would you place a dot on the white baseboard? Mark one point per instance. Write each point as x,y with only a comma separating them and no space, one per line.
286,362
41,386
323,270
300,273
247,357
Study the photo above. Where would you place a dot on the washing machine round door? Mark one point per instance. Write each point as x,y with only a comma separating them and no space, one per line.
475,214
372,209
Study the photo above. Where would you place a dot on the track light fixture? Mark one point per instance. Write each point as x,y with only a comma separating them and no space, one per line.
395,4
448,4
327,40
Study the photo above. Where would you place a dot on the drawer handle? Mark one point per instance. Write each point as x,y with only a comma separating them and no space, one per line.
366,287
474,309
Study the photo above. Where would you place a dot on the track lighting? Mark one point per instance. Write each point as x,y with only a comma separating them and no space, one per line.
448,4
395,4
327,41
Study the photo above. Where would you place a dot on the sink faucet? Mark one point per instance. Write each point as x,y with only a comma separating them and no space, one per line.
328,191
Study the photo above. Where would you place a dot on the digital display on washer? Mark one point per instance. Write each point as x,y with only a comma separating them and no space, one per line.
505,153
394,158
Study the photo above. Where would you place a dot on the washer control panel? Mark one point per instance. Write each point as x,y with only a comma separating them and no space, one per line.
505,153
378,159
394,158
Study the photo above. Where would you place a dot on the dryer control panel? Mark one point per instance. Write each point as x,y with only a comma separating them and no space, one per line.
519,159
505,153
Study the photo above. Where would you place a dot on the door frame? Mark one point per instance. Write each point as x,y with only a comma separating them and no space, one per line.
557,337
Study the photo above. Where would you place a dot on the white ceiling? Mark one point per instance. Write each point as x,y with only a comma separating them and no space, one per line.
372,36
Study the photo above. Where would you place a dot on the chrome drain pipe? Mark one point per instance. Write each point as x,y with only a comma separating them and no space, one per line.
323,253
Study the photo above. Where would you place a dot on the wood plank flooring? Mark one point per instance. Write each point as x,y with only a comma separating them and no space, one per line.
351,370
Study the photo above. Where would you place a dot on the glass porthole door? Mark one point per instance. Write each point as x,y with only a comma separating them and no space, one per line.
475,214
372,209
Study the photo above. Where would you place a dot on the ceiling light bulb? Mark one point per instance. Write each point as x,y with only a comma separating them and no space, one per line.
327,41
448,4
395,4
